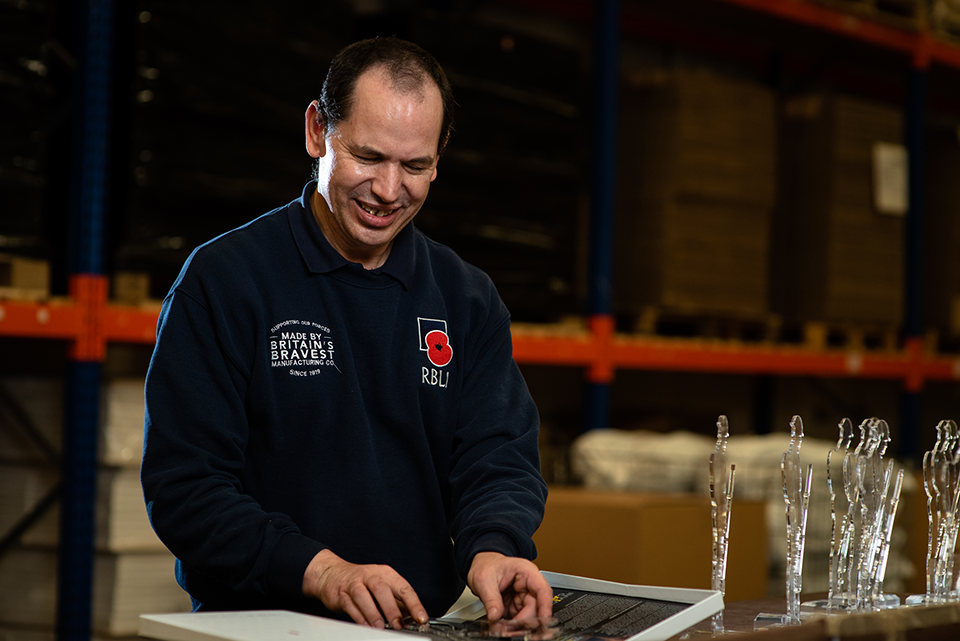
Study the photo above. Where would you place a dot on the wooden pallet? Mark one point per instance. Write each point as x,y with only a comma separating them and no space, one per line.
944,20
851,336
21,278
738,326
904,14
25,294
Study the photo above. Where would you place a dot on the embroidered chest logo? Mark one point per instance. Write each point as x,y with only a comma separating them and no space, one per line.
435,341
302,348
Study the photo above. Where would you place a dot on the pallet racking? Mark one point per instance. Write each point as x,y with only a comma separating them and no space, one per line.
88,322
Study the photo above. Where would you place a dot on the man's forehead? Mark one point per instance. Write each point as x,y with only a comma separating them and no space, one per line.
416,85
381,104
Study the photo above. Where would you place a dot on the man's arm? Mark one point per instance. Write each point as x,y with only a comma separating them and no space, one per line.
371,594
196,433
498,492
509,587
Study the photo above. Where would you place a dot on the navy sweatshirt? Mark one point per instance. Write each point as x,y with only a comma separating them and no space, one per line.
296,401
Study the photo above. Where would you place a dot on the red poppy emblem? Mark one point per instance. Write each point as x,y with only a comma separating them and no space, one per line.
439,349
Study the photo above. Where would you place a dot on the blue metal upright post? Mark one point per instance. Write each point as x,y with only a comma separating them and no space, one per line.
606,69
916,139
82,380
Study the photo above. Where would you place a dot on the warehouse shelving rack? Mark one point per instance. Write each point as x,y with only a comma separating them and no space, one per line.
89,322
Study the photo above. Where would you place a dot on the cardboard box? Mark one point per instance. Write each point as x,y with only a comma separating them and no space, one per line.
121,523
124,587
837,257
651,539
131,288
941,269
41,399
24,278
697,182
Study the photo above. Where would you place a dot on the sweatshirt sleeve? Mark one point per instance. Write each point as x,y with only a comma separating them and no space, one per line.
195,436
497,489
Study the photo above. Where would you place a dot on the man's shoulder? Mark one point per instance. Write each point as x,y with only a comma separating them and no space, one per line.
270,228
249,249
445,263
461,284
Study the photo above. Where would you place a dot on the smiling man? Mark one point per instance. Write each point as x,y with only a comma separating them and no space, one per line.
374,168
335,423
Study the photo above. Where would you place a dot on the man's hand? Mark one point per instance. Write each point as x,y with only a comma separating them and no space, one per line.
371,595
509,587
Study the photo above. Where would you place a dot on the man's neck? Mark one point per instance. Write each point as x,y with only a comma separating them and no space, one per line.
368,261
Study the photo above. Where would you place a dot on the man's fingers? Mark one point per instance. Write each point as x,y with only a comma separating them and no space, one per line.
360,596
492,601
523,606
411,602
353,612
493,577
387,602
544,595
369,594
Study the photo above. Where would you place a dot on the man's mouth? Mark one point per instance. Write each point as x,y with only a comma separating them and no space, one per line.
379,213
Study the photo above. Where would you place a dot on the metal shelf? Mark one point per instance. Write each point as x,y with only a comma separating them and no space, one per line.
597,348
920,43
602,351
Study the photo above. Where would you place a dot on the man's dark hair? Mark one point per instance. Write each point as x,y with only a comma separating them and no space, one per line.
407,65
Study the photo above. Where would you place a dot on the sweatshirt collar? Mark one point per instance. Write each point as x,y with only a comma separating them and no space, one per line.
322,258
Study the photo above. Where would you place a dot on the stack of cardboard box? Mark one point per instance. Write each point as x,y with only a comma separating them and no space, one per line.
944,19
941,269
838,238
696,188
133,571
23,278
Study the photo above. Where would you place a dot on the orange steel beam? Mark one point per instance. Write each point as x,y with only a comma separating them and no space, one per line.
834,21
124,324
749,359
599,349
918,44
89,291
945,54
602,352
54,319
542,348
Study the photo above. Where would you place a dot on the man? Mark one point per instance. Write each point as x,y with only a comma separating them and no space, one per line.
334,420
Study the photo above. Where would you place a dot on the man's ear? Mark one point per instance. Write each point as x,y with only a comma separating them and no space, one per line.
440,148
315,130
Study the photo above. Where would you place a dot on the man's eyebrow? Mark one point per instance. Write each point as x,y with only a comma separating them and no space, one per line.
366,150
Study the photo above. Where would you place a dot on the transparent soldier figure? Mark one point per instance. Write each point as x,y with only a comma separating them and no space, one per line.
721,499
796,498
948,484
869,481
850,547
837,563
930,462
885,520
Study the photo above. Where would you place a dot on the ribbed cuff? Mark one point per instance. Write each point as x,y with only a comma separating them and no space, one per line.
493,541
289,561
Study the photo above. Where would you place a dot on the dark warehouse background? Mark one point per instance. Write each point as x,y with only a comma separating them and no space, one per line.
206,133
745,211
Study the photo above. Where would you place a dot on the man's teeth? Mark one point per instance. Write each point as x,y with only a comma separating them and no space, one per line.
376,212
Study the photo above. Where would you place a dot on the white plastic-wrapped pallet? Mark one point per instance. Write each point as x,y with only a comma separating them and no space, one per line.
640,460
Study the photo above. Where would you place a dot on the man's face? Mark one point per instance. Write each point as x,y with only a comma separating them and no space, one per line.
375,167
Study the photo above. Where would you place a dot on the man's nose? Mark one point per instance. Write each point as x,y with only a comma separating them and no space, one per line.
388,183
